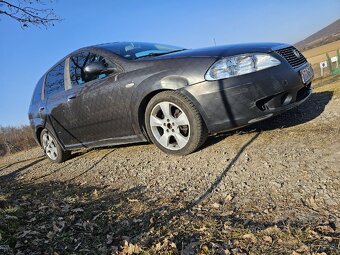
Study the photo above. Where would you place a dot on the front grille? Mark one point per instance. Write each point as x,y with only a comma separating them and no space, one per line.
293,60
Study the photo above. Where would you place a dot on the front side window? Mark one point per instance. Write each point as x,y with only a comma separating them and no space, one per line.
55,80
79,62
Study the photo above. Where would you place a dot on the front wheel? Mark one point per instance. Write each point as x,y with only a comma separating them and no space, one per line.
174,124
52,148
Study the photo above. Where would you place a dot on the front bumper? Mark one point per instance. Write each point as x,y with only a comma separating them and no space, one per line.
231,103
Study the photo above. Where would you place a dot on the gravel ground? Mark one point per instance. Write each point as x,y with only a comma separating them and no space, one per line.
270,188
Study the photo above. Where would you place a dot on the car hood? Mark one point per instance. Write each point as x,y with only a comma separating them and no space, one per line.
224,50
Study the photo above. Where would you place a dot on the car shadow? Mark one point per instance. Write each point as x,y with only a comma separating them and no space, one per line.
15,173
93,165
69,216
3,167
75,157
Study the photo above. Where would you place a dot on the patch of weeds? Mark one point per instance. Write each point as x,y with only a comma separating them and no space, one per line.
11,218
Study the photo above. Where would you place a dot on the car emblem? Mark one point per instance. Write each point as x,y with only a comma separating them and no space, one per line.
297,53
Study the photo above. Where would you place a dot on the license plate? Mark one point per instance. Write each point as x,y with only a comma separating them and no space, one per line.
307,74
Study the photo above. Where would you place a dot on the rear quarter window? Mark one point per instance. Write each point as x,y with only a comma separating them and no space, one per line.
38,91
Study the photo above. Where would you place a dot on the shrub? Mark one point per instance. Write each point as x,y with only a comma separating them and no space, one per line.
14,139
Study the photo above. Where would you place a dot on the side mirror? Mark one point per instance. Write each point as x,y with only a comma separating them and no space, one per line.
94,69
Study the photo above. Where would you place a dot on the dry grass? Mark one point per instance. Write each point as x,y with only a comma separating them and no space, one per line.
318,54
331,83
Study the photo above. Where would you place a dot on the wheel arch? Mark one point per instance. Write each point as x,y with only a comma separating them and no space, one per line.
38,133
148,97
49,127
148,88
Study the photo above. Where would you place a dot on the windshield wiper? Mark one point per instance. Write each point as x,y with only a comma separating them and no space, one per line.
154,54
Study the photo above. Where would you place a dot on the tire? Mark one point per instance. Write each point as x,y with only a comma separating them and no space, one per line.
170,130
52,148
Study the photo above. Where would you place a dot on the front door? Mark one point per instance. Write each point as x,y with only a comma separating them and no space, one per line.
93,110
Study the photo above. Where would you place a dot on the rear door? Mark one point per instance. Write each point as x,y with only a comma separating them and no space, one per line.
56,94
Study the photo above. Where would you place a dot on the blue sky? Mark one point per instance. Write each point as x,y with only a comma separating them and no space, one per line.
25,54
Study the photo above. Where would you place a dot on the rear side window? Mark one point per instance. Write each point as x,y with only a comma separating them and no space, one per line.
55,80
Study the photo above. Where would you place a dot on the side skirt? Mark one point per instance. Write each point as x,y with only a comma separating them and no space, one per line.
108,142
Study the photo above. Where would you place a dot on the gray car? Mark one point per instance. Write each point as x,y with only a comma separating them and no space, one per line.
127,92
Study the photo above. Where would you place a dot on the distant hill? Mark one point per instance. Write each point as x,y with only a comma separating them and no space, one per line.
328,34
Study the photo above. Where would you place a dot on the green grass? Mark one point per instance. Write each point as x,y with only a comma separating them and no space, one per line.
11,218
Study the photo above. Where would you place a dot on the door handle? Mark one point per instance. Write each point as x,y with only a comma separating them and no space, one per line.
69,98
41,109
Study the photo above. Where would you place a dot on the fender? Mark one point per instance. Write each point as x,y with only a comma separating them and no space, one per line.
151,86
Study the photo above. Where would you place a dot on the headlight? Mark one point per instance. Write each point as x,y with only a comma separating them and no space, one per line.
240,64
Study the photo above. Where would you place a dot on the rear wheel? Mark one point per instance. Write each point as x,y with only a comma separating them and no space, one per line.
52,148
174,124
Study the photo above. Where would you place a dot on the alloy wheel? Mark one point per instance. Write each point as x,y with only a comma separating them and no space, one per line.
49,146
170,125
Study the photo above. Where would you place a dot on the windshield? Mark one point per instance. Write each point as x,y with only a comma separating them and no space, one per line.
134,50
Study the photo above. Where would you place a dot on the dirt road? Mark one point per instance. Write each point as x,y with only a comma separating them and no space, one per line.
271,188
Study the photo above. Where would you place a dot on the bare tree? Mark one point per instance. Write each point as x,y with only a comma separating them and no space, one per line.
29,12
